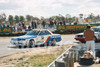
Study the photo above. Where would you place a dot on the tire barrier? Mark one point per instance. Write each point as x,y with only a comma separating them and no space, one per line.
72,57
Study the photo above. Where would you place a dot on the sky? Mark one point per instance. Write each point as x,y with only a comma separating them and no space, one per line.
47,8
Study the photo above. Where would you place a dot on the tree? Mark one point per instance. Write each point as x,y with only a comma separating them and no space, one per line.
97,18
35,18
68,16
53,18
29,17
17,19
62,18
57,18
22,19
91,16
81,15
42,18
11,19
2,17
74,18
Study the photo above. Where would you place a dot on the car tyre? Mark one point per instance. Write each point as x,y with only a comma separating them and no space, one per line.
31,43
19,46
53,42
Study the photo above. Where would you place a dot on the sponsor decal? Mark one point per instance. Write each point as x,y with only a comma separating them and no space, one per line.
47,39
6,30
74,27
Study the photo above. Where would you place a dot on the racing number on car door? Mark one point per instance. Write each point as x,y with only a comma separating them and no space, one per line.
42,36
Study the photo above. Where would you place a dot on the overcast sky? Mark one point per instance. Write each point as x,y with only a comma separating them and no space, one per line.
49,8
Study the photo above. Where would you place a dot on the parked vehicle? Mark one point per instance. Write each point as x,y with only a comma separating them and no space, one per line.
80,37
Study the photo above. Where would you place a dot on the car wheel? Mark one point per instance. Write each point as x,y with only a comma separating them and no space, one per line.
53,42
31,43
19,46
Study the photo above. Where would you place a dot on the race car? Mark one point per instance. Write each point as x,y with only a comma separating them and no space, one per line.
80,37
36,37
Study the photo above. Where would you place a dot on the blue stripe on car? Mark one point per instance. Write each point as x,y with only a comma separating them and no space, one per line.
24,37
58,39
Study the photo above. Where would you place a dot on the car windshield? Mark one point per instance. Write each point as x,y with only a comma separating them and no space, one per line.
96,29
33,32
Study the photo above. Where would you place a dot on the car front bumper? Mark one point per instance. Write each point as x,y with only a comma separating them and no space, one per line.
80,39
19,43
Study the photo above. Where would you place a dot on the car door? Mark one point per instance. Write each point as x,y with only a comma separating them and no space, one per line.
98,34
43,36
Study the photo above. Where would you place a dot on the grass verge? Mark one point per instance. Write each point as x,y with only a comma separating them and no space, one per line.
39,60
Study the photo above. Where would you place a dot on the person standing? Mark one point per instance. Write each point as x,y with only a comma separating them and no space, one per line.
51,24
55,23
70,22
23,25
43,24
32,24
8,24
61,23
89,38
29,27
64,23
35,23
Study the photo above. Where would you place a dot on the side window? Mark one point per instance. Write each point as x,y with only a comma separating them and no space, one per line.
42,33
47,33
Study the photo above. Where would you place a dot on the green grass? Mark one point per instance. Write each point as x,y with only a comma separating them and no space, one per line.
22,58
39,60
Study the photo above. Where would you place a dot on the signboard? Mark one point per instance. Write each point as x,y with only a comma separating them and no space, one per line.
6,30
74,27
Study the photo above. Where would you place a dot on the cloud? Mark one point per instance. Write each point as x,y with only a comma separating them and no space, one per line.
3,1
10,4
49,7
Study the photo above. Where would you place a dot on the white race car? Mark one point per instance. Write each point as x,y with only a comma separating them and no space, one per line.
80,37
36,37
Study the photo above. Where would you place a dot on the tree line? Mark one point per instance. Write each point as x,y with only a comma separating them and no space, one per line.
16,19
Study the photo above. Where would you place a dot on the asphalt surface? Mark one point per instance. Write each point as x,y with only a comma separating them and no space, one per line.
6,48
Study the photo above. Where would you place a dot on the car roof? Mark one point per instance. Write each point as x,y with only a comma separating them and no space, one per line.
39,29
96,27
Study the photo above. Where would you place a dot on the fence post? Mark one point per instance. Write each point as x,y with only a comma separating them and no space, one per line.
66,60
60,64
